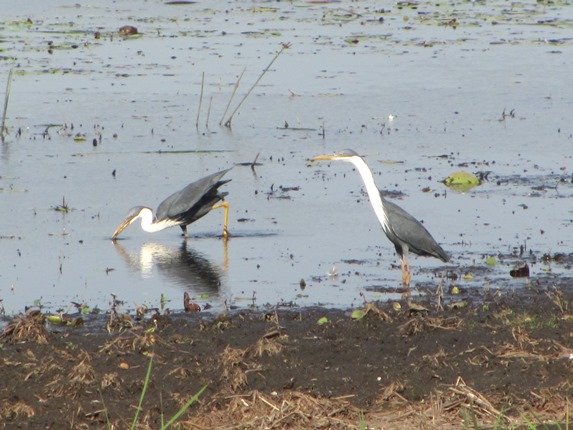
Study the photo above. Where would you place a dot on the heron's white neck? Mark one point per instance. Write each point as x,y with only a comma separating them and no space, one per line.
148,223
371,189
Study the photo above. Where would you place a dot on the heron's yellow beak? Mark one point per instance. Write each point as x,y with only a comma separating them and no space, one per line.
324,157
124,224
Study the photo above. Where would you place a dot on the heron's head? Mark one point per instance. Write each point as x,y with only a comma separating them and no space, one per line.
133,214
346,155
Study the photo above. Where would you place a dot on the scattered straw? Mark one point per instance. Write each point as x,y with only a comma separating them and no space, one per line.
256,410
14,410
371,307
421,323
233,367
25,328
136,339
266,346
471,398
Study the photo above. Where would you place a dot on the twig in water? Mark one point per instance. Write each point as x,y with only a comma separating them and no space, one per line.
265,70
254,163
251,164
232,95
6,98
208,113
200,101
63,208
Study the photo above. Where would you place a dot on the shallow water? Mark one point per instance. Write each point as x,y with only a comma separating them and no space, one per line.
419,98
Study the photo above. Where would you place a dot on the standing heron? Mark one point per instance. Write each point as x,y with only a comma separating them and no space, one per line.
404,231
183,207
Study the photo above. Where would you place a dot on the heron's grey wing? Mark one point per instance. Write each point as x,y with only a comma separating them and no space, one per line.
410,231
183,200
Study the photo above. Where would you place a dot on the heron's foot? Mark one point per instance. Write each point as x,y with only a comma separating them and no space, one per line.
406,278
184,234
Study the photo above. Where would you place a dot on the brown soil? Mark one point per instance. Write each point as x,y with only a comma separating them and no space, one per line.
497,359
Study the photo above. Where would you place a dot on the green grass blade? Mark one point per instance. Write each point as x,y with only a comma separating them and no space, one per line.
143,392
184,408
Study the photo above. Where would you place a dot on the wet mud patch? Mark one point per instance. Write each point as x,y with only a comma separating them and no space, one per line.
504,358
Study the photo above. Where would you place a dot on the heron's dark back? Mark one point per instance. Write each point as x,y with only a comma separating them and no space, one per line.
193,201
409,230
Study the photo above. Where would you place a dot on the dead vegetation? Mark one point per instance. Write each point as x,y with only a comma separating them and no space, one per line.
421,323
237,363
135,339
79,378
294,410
492,366
28,327
13,410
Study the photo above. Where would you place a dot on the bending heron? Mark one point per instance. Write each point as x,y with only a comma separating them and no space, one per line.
404,231
183,207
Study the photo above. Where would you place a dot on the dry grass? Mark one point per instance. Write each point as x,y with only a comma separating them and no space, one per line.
460,406
421,323
290,410
73,383
236,363
438,359
391,393
29,327
371,308
13,410
136,339
266,346
111,381
234,368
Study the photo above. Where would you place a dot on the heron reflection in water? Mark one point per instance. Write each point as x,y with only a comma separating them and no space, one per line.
184,267
182,208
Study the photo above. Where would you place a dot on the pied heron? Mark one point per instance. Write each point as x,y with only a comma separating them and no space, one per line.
404,231
183,207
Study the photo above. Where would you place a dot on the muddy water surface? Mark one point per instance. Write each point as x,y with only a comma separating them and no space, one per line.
420,90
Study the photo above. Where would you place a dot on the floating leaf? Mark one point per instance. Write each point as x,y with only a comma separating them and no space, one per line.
357,314
461,181
468,276
55,319
322,321
65,320
490,261
455,290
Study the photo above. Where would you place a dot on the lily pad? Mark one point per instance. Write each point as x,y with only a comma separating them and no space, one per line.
357,314
461,181
490,261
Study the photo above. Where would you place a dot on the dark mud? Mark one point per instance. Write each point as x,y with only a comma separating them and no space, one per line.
489,357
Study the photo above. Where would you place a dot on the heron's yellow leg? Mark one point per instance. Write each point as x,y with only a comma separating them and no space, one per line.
225,206
405,265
